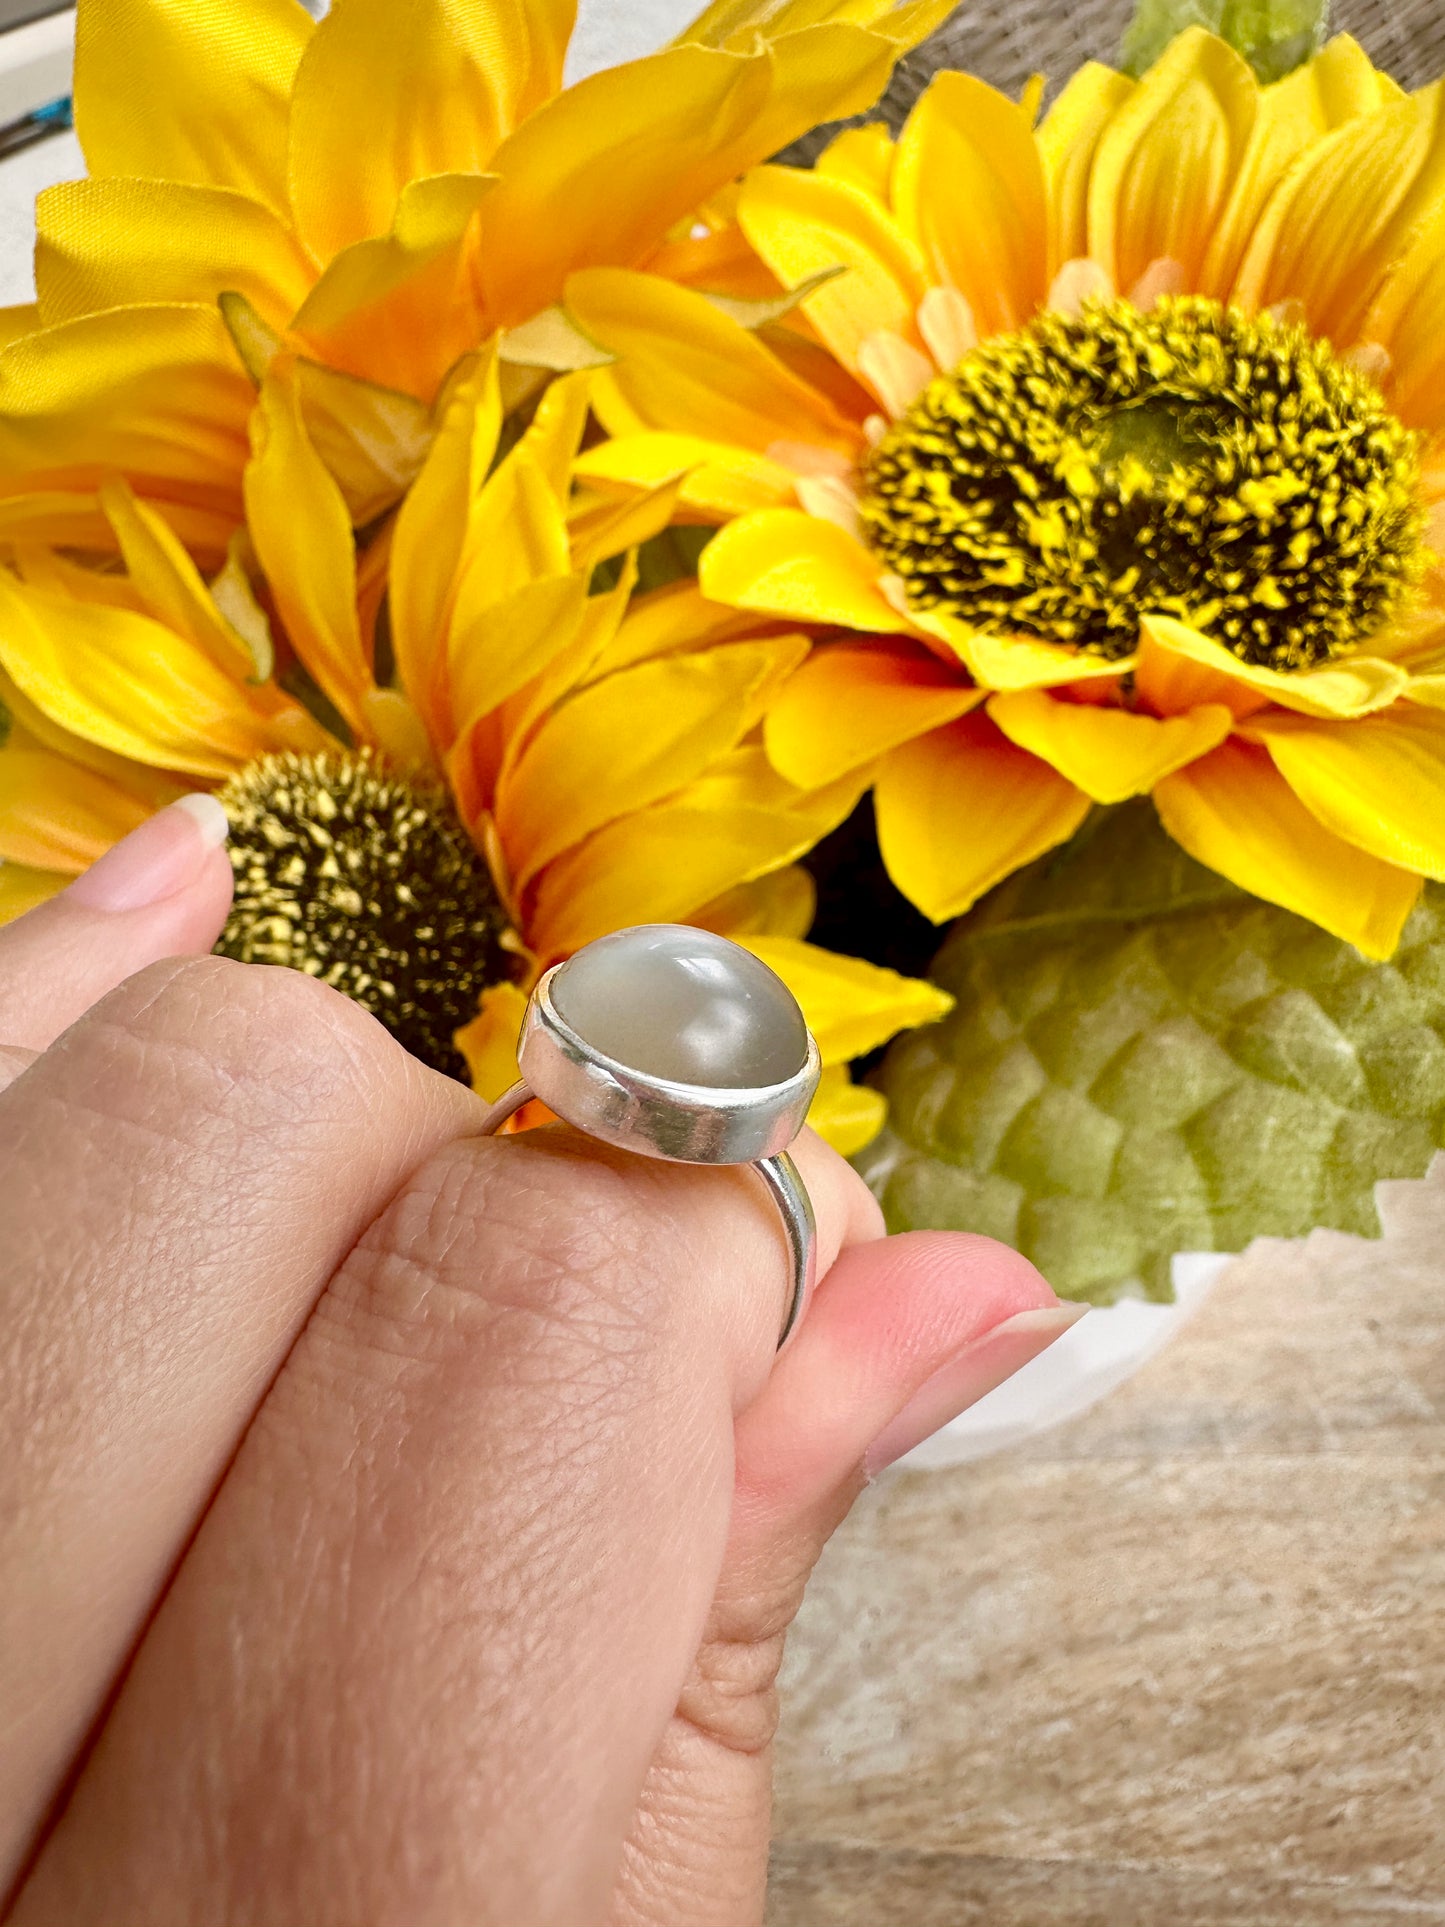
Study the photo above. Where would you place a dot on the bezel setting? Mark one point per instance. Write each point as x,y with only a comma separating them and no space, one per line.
655,1116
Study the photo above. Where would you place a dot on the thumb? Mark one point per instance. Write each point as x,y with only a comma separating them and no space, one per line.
162,891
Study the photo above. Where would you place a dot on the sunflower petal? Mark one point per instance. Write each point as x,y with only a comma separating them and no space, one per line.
223,74
740,23
17,322
628,152
497,648
851,703
626,742
739,822
489,1041
111,243
1110,754
861,156
155,393
54,518
781,904
398,309
607,528
1327,91
1378,782
56,815
21,889
850,1006
126,683
844,1114
786,563
1233,811
1019,662
684,366
968,190
1406,319
1164,165
658,866
1353,686
301,529
431,536
717,478
1068,141
802,223
961,809
1359,194
443,84
167,581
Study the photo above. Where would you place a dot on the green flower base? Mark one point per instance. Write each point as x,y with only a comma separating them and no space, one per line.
1145,1060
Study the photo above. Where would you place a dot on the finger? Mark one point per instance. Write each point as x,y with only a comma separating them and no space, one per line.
163,891
180,1176
433,1627
904,1335
13,1060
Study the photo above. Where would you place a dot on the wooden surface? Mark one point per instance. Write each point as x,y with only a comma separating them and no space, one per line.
1181,1661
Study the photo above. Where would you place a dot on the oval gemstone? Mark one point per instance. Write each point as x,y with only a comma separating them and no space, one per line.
685,1005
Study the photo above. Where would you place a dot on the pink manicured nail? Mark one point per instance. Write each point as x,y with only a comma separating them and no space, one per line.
155,861
965,1378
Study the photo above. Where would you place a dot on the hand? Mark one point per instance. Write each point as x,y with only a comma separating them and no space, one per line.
398,1525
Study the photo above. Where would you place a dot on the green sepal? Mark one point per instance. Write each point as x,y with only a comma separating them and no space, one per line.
1145,1060
1274,36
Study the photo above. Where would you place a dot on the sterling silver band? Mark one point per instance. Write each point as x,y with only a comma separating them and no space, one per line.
778,1173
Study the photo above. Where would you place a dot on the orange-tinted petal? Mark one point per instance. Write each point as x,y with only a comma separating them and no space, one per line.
399,309
961,809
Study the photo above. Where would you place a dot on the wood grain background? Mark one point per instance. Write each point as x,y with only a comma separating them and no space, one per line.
1181,1661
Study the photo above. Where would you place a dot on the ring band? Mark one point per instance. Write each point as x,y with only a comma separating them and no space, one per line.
674,1043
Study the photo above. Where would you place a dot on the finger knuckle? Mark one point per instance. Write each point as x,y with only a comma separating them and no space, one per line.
547,1254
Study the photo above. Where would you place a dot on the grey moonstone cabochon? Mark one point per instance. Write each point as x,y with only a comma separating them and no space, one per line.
682,1004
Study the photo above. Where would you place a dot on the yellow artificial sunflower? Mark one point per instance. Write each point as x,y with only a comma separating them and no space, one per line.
1118,441
379,193
543,764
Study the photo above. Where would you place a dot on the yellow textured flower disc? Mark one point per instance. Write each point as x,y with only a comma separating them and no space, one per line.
365,879
1189,460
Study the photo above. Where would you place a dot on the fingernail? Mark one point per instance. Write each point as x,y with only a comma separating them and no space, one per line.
155,861
966,1377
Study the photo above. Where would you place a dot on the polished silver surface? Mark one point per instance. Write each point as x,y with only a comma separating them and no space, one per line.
684,1123
782,1178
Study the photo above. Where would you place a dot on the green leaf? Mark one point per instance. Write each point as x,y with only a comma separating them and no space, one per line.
1274,36
1145,1060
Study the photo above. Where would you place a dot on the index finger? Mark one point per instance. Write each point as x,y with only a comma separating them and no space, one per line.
180,1175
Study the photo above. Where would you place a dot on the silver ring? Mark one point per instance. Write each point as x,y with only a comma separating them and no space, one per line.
674,1043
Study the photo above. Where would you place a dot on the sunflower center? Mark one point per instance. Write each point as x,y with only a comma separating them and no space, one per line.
367,880
1189,460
